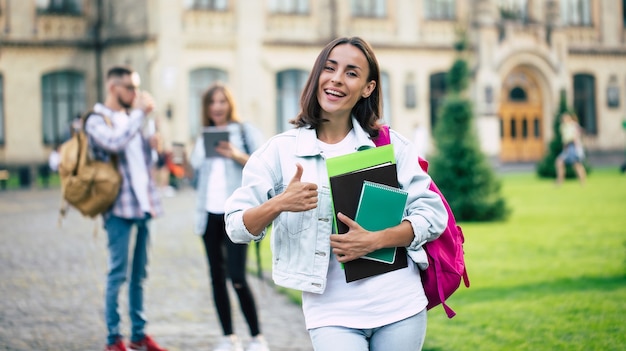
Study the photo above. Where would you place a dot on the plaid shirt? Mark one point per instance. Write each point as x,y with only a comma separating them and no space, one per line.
104,141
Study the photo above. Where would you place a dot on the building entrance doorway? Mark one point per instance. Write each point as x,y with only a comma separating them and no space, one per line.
521,118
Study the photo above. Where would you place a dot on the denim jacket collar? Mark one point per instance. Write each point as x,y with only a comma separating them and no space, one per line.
306,140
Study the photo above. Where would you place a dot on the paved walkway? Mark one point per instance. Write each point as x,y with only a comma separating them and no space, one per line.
52,283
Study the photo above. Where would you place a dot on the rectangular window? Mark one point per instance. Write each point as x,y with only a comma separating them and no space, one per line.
437,88
294,7
585,102
61,7
199,81
576,12
1,110
513,9
289,85
536,128
63,99
440,9
369,8
212,5
385,87
513,127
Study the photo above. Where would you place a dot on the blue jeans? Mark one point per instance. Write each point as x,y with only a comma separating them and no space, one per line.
118,232
405,335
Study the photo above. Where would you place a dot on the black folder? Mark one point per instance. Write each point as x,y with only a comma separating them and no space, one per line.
346,192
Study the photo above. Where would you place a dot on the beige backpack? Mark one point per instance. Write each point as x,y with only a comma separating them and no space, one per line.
89,185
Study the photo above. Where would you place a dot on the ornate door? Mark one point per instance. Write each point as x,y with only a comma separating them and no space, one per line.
521,118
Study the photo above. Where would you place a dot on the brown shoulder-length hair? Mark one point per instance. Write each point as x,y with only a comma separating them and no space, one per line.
206,100
367,111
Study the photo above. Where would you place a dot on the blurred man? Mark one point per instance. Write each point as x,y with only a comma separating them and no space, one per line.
127,110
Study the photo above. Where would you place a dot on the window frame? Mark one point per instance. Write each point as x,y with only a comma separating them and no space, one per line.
513,9
207,5
198,84
61,90
440,10
368,8
585,101
436,100
385,87
289,7
576,13
288,96
60,7
2,122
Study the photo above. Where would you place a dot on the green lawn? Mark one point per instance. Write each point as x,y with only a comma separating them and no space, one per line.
552,277
36,181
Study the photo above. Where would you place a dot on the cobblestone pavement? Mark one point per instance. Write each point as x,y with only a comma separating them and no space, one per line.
52,283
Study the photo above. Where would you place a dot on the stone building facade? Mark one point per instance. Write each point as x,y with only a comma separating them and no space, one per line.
523,54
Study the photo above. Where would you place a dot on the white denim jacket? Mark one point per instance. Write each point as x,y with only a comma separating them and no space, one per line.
253,139
300,240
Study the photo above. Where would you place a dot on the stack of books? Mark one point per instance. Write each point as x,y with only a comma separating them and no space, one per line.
364,186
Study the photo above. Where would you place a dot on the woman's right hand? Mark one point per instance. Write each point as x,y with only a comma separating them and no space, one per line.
299,196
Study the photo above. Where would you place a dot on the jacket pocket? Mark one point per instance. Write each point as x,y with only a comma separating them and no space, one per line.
297,222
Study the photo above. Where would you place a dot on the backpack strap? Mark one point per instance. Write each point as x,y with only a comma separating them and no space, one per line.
246,147
383,137
108,122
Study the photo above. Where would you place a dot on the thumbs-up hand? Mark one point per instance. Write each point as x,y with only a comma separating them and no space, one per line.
299,196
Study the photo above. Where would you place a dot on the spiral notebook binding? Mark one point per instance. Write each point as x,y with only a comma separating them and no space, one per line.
383,186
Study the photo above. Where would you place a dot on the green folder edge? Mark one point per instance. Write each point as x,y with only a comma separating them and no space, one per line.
355,161
359,160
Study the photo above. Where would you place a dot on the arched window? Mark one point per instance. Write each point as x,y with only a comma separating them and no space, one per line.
437,94
518,94
585,102
289,85
63,98
199,81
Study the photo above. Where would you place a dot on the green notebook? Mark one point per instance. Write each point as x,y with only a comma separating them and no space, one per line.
345,169
380,207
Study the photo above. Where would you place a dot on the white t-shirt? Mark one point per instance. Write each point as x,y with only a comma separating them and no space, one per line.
366,303
216,189
53,160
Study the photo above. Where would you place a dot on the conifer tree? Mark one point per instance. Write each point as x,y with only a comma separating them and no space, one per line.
458,166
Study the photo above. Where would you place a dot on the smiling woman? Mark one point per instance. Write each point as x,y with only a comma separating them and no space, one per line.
285,184
219,165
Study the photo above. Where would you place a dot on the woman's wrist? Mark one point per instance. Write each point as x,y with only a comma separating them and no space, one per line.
239,157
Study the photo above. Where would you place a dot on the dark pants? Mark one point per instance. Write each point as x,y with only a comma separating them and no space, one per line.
228,260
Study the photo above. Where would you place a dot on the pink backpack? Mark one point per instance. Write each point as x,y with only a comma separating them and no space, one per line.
446,263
